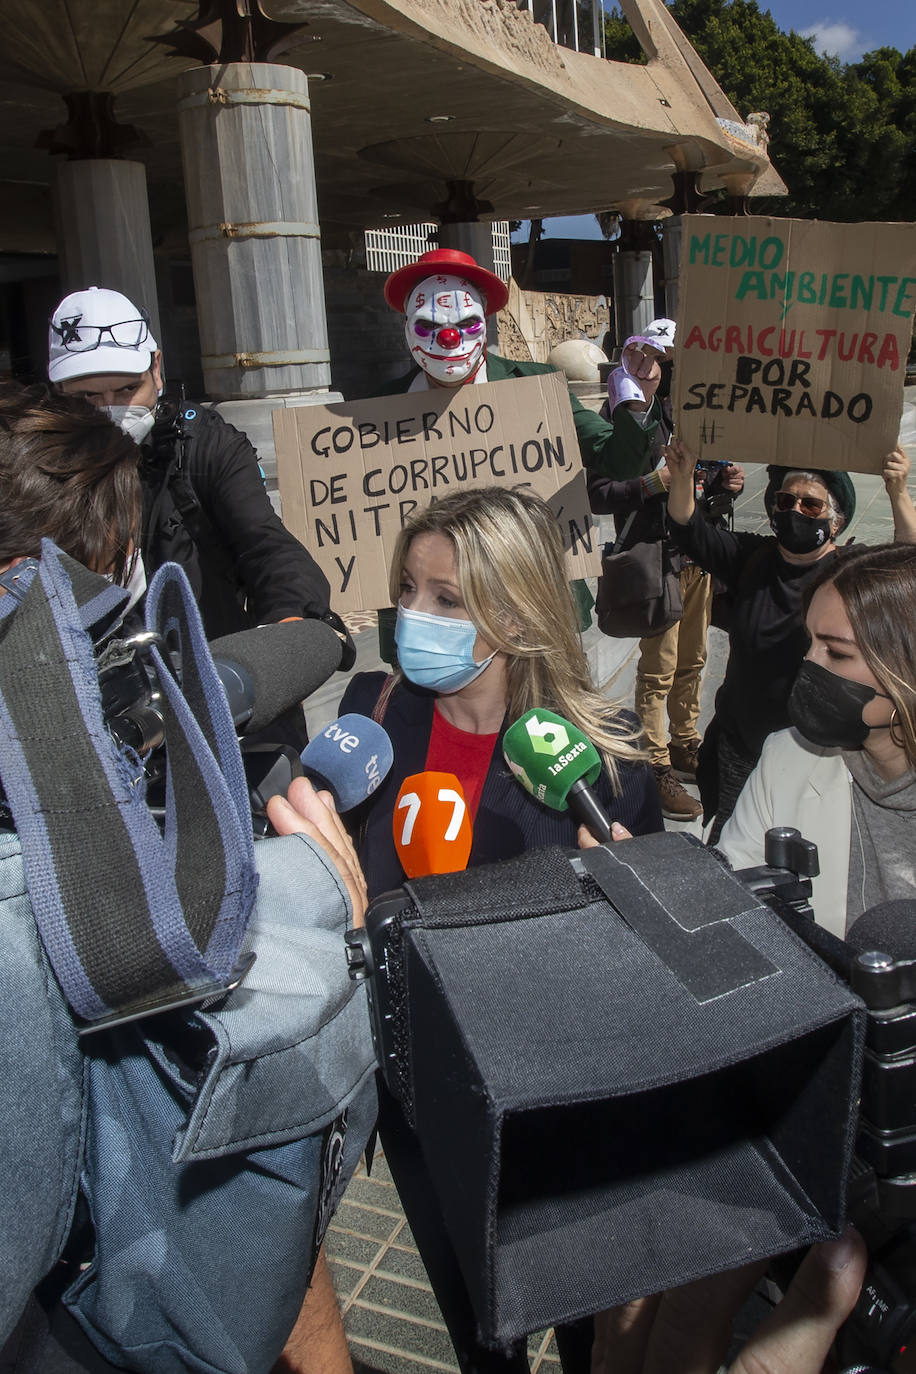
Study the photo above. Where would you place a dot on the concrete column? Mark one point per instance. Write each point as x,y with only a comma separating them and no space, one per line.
475,238
103,230
671,252
634,295
249,174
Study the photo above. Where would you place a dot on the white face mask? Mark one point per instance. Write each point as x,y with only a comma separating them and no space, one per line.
446,328
135,421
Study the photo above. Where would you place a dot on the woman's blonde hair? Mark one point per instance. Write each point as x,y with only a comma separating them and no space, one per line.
878,589
512,575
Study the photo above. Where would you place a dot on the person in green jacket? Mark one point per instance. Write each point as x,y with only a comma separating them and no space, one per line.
446,297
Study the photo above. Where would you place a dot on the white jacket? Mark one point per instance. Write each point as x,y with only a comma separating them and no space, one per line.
797,783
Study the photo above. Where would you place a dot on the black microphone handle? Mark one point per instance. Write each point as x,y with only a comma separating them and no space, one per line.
587,809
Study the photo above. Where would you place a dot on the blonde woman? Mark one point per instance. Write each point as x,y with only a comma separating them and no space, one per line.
486,630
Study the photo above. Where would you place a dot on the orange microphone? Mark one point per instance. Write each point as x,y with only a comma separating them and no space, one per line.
432,828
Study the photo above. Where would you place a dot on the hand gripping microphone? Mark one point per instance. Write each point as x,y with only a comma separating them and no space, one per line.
555,762
267,670
432,828
349,759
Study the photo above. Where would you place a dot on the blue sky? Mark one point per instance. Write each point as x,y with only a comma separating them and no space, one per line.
846,28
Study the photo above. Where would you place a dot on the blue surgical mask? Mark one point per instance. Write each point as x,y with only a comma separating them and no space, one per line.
437,652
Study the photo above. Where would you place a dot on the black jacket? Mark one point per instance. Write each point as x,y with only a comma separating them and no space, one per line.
509,821
767,636
206,508
609,496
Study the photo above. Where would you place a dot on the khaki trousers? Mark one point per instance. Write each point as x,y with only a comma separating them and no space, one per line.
671,668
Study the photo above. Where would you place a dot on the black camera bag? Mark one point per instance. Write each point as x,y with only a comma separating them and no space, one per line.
625,1072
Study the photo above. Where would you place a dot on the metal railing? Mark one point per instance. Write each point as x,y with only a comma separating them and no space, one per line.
575,24
389,249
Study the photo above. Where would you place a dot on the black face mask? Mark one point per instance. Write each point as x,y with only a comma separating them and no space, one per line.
827,709
798,533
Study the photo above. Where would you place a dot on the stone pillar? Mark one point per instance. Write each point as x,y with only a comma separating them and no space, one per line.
634,293
671,253
103,230
249,174
475,238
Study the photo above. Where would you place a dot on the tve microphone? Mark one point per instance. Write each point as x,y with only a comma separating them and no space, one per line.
267,670
555,762
432,828
349,758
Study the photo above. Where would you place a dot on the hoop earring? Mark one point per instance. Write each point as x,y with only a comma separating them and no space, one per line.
894,725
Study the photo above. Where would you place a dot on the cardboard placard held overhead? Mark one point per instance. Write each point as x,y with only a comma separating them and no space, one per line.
350,474
792,340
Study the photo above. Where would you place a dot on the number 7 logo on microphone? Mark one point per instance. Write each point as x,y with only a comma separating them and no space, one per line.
432,828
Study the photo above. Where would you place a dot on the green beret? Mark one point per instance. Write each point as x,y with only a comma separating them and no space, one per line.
839,484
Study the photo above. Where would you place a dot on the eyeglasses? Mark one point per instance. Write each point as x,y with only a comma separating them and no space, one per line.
812,506
83,338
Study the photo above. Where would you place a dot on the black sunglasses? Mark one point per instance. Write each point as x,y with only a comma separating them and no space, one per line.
812,506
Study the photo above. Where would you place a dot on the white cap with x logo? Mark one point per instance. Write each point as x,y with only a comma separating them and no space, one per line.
97,332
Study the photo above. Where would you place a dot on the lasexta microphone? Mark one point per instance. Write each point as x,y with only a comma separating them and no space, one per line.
267,670
432,827
556,763
349,758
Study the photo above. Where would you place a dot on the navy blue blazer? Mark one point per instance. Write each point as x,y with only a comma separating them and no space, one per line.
509,821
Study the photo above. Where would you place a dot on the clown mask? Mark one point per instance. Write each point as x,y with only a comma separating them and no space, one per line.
446,328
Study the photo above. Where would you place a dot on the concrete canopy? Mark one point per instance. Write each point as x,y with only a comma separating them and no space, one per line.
416,94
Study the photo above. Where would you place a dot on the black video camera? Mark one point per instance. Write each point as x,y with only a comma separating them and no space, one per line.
132,709
882,1195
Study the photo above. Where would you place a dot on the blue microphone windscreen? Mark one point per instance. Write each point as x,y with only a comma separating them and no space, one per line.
350,757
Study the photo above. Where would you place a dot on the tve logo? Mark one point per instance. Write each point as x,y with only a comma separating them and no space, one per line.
344,740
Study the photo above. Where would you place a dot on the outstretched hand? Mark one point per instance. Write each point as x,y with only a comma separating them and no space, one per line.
681,460
643,364
682,466
733,479
895,472
688,1329
306,812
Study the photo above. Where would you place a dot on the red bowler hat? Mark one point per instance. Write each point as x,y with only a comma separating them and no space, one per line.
452,263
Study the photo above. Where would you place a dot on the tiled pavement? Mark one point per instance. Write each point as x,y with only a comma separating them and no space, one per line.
390,1315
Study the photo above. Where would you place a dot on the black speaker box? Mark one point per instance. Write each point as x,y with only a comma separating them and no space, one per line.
625,1072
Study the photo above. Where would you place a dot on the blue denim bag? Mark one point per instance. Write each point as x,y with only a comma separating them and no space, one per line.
209,1198
210,1145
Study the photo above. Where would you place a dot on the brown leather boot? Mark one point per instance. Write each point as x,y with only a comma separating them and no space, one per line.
684,760
677,803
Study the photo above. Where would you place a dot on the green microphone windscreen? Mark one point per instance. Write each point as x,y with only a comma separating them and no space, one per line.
548,754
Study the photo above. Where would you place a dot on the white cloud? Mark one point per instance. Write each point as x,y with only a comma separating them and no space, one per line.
835,39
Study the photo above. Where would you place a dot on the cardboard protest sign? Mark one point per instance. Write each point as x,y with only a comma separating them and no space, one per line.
350,474
792,340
